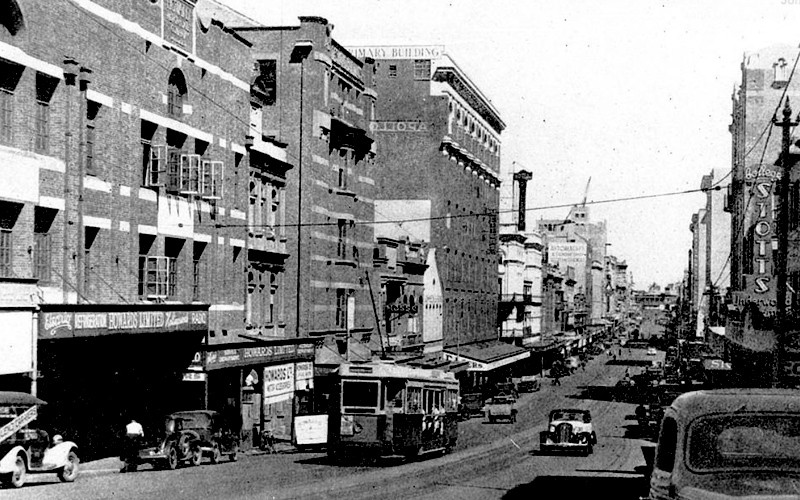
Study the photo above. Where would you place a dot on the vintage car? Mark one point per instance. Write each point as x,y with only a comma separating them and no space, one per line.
529,383
728,443
25,450
471,405
501,408
186,437
569,430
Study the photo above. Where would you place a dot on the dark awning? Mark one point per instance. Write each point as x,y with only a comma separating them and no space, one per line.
486,355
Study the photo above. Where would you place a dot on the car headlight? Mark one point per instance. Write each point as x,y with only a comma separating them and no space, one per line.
552,428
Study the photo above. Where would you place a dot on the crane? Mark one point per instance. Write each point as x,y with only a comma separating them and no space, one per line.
586,191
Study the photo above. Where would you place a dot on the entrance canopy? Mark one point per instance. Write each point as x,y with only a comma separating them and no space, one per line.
487,355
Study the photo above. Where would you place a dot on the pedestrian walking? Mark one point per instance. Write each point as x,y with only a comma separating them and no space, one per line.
134,435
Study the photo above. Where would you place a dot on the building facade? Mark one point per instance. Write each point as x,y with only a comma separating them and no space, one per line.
750,321
433,123
129,211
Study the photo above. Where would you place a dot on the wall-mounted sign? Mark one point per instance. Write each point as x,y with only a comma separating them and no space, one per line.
179,23
398,126
63,324
194,377
256,355
278,382
402,308
398,51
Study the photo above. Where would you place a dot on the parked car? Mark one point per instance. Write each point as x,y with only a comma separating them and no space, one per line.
25,450
529,383
506,389
186,436
501,407
728,443
471,405
569,430
651,351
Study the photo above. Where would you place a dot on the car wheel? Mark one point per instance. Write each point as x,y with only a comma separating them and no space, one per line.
172,458
215,455
594,438
589,449
234,456
197,456
514,418
17,477
69,472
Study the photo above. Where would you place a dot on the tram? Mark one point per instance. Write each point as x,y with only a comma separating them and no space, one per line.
385,409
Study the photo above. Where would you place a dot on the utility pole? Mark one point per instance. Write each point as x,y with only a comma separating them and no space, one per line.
781,322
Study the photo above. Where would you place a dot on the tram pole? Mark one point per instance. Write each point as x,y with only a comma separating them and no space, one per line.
781,323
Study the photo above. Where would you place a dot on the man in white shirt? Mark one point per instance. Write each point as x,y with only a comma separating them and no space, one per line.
134,429
134,434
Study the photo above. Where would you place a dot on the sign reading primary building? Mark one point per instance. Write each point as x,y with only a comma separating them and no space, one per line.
398,51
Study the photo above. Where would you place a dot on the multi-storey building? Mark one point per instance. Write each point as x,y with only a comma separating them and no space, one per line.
127,204
520,301
750,327
433,123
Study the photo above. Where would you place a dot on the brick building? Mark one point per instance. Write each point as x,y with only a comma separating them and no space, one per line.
125,128
438,137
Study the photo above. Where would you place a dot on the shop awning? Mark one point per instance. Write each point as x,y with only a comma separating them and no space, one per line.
544,345
487,355
717,330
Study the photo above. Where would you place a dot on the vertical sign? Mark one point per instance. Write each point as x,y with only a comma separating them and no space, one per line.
178,24
351,313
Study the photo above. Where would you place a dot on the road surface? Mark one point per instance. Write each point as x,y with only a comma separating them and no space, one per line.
492,461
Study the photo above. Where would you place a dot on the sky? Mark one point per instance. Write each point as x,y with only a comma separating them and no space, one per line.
634,94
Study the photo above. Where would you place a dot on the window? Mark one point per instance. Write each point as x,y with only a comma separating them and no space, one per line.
273,292
345,157
42,247
176,92
265,87
89,236
90,165
5,253
45,87
159,277
6,115
155,165
198,268
42,126
422,69
341,308
360,393
211,184
341,246
392,71
667,444
189,182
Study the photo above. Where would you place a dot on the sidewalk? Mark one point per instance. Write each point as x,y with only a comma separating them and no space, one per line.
113,465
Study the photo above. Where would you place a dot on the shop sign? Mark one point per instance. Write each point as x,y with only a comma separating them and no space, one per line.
91,323
278,380
760,289
257,355
194,377
304,376
311,429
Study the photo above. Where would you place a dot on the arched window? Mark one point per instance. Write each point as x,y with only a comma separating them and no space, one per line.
176,93
11,16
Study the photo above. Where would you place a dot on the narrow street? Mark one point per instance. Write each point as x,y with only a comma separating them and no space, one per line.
491,461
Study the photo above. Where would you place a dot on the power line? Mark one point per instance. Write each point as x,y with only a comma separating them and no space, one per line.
479,214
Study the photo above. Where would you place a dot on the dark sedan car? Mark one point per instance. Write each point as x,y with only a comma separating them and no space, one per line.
186,437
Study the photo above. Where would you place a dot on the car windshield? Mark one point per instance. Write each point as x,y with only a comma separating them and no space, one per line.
750,441
569,415
193,420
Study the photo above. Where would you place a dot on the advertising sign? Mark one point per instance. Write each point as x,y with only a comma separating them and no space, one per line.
61,324
304,376
311,429
264,354
278,383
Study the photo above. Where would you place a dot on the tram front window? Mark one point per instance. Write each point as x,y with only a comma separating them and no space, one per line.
360,396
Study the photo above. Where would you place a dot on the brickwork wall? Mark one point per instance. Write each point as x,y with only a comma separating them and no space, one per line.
134,73
413,167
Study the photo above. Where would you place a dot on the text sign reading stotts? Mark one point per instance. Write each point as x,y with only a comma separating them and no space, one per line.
90,323
398,51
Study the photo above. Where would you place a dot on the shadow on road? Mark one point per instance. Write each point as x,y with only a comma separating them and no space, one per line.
563,487
630,362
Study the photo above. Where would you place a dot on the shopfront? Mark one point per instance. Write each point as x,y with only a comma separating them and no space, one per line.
101,365
266,384
489,363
